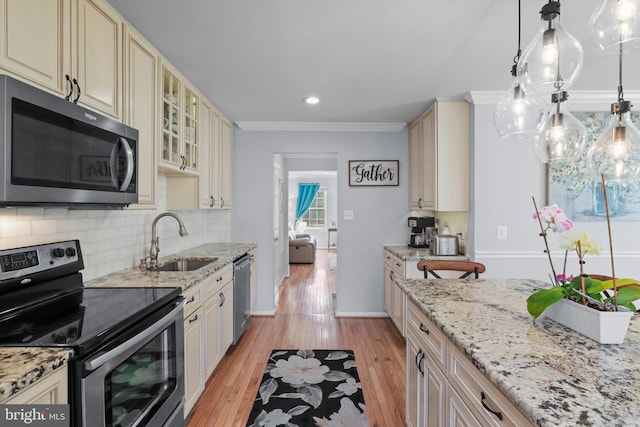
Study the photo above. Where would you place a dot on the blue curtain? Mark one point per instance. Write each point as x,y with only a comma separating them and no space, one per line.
306,194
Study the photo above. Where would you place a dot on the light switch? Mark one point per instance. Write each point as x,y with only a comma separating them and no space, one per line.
502,232
348,215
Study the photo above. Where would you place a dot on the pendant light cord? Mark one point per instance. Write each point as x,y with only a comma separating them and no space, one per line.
517,57
620,91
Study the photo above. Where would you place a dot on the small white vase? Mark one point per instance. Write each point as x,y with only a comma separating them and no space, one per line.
605,327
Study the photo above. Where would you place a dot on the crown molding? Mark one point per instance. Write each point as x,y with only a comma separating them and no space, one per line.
321,126
579,100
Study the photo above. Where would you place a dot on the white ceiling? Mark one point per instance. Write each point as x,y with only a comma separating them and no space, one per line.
369,61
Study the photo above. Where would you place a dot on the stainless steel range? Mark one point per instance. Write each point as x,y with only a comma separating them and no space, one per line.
127,363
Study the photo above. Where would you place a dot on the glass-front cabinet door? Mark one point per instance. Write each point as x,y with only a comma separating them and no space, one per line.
190,129
180,116
171,119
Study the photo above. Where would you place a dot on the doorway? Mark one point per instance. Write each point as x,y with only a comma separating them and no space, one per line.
298,167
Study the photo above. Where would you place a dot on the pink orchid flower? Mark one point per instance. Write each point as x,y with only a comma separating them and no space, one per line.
555,218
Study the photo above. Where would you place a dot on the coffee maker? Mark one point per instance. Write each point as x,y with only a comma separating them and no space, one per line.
419,226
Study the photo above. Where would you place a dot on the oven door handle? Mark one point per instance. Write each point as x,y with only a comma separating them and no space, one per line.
166,320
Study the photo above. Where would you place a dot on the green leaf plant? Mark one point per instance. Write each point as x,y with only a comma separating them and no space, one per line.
599,292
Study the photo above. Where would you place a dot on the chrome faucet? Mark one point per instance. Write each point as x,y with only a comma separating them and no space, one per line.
155,241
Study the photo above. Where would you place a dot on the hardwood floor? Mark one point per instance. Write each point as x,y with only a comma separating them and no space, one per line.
305,320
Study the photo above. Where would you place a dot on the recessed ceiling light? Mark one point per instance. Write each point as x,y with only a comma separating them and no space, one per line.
311,100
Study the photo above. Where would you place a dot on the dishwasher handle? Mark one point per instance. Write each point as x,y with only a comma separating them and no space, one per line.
243,262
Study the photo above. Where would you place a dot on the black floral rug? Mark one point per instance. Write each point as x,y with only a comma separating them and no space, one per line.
310,388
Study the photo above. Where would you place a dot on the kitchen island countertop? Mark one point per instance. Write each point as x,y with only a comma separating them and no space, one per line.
555,376
22,366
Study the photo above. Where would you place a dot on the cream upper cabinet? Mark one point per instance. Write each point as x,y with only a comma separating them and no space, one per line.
141,112
36,41
44,41
439,158
206,146
180,115
215,185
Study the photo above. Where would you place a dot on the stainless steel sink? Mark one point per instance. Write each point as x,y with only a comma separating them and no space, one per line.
186,264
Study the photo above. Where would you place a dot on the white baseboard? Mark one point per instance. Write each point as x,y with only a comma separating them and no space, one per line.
270,313
361,314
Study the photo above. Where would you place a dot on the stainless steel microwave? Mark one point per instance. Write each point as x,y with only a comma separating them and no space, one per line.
57,153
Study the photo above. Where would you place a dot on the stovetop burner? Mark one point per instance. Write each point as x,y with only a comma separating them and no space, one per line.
44,304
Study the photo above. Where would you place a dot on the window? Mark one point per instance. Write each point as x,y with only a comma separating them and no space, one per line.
315,216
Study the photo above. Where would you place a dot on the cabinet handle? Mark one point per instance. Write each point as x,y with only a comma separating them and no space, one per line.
193,319
70,86
419,362
420,203
483,399
221,202
222,299
391,275
184,163
423,329
213,201
75,100
192,299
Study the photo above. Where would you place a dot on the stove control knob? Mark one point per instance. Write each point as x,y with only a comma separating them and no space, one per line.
71,252
57,253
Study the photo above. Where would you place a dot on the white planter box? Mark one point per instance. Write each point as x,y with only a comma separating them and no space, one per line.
605,327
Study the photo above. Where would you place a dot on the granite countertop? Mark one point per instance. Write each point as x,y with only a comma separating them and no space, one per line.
407,253
20,367
555,376
132,277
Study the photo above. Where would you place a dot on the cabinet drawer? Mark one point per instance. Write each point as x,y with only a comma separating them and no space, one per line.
395,263
429,335
193,298
483,398
217,280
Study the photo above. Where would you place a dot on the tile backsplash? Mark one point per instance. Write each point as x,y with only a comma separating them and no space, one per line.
112,240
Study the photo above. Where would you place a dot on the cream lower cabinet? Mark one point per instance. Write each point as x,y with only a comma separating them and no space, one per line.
49,390
43,41
395,300
193,348
443,386
208,330
218,315
253,285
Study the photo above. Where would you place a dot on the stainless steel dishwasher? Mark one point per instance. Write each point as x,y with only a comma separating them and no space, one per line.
241,295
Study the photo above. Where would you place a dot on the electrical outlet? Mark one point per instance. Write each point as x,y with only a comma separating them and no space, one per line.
502,232
348,215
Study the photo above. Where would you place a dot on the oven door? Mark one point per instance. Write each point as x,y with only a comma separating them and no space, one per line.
138,379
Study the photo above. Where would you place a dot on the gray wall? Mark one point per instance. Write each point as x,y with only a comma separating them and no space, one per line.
379,212
505,175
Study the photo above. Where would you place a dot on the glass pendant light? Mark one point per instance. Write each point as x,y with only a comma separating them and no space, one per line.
553,60
616,153
613,23
563,136
518,116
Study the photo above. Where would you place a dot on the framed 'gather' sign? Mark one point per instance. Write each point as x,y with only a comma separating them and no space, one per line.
373,172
